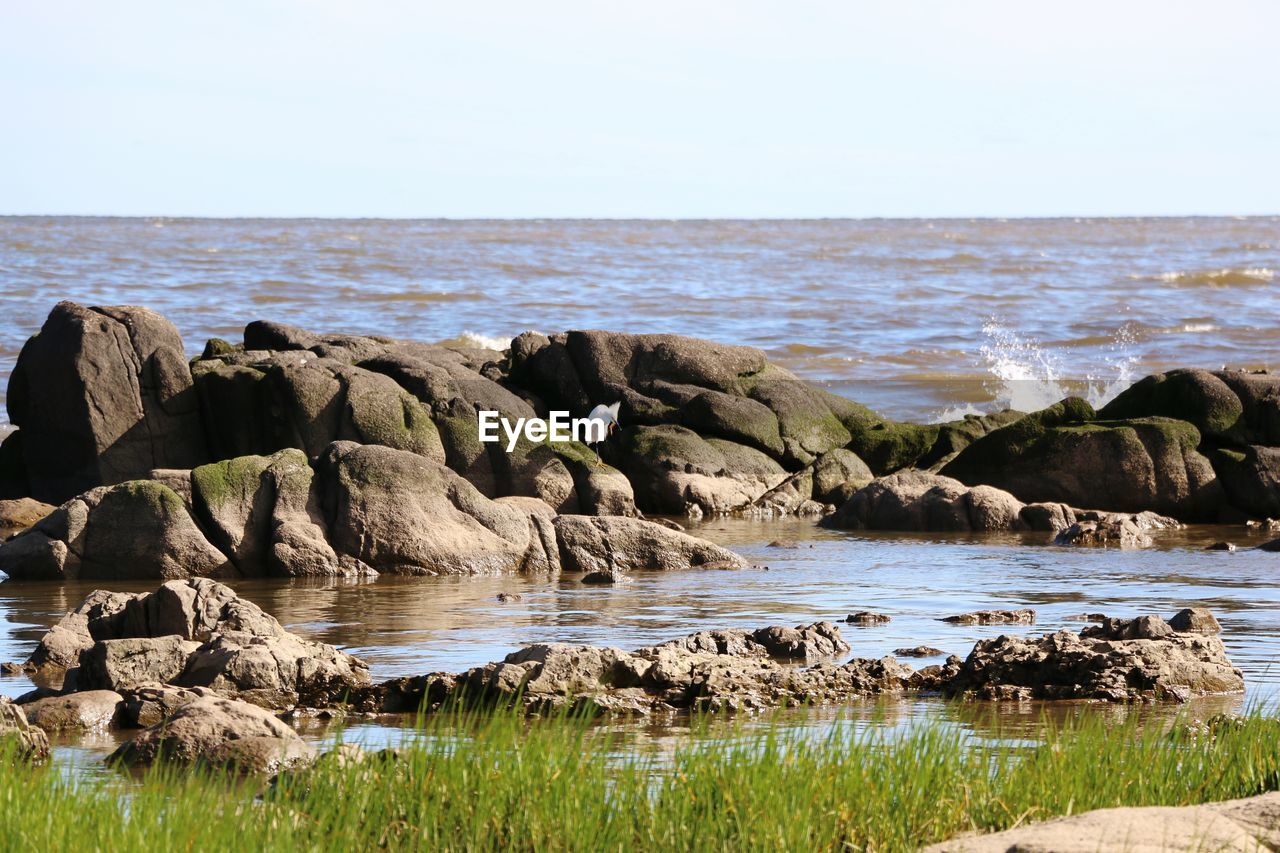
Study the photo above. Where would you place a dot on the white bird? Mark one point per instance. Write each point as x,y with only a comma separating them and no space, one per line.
608,415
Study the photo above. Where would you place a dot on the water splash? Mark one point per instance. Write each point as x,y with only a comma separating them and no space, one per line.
1026,375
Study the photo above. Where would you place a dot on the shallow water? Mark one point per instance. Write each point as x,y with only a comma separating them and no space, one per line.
919,318
409,626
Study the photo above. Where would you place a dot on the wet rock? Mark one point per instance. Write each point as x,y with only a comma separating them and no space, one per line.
21,513
1119,661
1221,546
102,396
90,710
919,652
196,633
828,481
1230,406
137,530
9,669
1065,454
993,617
509,597
1113,530
1085,617
711,670
30,742
616,545
222,733
866,617
1248,824
1196,620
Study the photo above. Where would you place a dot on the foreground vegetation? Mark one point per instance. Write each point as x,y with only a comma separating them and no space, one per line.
561,784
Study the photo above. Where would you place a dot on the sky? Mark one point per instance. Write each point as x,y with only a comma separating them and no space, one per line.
662,109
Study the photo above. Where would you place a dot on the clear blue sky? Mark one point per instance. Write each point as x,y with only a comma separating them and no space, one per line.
653,108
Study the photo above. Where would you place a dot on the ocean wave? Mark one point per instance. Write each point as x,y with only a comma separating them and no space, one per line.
1225,277
475,339
409,296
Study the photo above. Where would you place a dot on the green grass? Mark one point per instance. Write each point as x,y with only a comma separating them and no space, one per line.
562,784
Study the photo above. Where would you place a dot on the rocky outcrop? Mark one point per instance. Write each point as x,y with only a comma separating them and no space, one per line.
1120,660
1066,454
1251,824
221,733
358,510
192,633
710,670
29,742
1021,616
102,395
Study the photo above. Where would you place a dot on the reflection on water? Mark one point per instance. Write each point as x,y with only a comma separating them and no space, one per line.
407,626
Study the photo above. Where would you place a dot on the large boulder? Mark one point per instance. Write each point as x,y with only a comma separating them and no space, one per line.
140,529
101,396
1117,661
1063,454
394,511
193,633
618,546
1228,406
222,733
264,514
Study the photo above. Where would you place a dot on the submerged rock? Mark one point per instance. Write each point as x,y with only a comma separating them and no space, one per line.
1114,530
919,652
1120,660
193,633
867,617
993,617
222,733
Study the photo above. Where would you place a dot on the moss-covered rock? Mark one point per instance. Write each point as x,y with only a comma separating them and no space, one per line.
1198,397
1061,454
13,470
1250,478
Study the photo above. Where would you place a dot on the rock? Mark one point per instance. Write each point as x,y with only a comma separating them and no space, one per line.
90,710
135,530
625,545
1220,546
124,663
993,617
1196,620
1233,407
263,512
1119,661
1250,477
866,617
919,652
509,597
196,633
1085,617
9,669
674,470
395,511
1248,824
1064,454
222,733
1113,530
603,578
710,670
20,514
150,704
31,743
102,396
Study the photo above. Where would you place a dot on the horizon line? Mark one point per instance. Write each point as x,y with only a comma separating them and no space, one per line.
332,218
